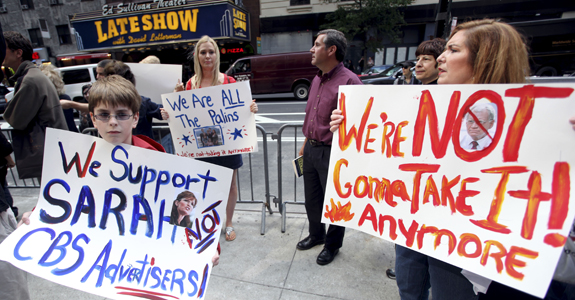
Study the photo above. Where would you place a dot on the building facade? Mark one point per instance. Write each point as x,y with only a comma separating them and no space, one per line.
290,25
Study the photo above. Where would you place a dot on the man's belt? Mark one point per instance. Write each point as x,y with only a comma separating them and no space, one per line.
316,143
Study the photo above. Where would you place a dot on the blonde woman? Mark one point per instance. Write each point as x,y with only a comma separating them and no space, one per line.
54,75
206,57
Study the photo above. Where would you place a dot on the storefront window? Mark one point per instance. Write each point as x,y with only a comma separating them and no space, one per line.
298,2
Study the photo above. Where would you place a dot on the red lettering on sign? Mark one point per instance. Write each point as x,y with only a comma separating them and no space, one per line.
452,239
498,257
477,155
446,194
465,239
511,262
345,138
491,222
427,112
523,113
534,196
419,169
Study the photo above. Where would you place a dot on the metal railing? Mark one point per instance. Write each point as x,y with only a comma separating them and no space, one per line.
280,199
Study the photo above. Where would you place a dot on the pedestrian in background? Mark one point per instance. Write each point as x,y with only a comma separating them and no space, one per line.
56,78
34,107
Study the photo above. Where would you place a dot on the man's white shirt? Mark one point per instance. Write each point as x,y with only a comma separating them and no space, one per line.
467,142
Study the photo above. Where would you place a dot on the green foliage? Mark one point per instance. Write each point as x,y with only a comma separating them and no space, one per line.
359,17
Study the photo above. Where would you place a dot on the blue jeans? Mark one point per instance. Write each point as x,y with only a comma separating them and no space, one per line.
416,273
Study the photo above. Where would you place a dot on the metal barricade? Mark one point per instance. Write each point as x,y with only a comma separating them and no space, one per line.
13,180
280,199
252,159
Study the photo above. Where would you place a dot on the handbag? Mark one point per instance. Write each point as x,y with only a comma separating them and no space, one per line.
28,148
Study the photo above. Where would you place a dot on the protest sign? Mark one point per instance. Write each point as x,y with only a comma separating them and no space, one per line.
477,176
153,80
212,121
104,222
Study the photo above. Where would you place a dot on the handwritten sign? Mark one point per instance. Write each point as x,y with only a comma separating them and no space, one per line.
105,221
212,121
478,176
164,79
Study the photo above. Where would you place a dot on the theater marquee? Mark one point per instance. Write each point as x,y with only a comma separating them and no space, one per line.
159,22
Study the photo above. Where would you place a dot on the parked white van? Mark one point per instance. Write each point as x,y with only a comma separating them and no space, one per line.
75,77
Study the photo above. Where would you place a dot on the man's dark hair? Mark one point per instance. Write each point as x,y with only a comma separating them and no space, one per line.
335,38
104,62
432,47
119,68
16,41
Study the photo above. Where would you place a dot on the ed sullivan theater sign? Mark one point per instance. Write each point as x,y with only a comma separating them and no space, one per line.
159,22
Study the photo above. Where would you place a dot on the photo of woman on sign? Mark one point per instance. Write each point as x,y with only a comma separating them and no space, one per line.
183,209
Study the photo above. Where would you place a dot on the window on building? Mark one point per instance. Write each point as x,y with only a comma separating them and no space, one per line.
26,4
36,37
298,2
55,2
3,8
64,34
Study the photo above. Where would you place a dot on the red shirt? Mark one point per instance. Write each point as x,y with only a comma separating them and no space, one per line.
322,100
227,79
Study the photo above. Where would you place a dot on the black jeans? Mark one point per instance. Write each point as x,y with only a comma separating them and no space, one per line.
315,170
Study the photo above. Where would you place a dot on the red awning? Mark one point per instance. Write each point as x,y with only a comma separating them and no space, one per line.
82,56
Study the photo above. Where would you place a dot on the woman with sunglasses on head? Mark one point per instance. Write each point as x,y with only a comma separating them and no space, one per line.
206,58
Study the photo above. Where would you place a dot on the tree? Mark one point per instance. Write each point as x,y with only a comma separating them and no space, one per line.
370,20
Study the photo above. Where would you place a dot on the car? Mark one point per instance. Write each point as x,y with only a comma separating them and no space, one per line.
388,76
373,71
276,73
75,77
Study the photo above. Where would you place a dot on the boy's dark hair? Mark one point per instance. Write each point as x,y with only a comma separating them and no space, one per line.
432,47
119,68
335,38
114,90
15,41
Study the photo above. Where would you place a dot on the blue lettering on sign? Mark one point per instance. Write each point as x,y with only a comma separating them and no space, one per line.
44,217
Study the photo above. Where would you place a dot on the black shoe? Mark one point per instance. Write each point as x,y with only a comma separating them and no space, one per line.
390,273
326,256
309,242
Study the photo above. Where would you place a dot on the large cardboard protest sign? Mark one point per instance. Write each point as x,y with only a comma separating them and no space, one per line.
153,80
105,221
212,121
479,176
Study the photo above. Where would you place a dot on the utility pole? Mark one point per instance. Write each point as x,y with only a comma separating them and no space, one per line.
443,18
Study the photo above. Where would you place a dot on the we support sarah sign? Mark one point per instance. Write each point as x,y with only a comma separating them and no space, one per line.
212,121
121,221
479,176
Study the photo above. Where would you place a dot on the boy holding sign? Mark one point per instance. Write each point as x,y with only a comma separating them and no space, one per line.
114,107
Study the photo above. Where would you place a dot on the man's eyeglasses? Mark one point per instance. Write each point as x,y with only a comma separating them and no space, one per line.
106,117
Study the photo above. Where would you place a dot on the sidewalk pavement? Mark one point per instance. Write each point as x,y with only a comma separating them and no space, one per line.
268,266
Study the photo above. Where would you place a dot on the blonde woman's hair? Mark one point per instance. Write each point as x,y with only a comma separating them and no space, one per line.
54,75
151,59
197,78
497,52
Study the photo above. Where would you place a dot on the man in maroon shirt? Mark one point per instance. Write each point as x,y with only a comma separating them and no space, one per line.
327,54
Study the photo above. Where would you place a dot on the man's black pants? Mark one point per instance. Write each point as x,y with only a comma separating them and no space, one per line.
315,170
